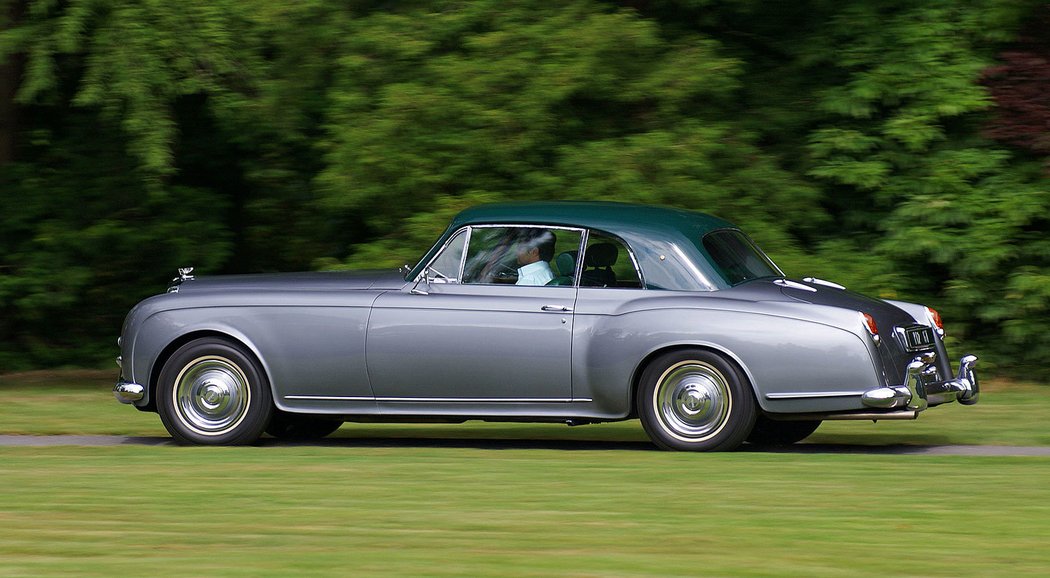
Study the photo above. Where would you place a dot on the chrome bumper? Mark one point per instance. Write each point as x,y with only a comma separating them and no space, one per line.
921,386
128,392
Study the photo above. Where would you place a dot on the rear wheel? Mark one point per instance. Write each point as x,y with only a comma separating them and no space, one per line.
768,432
212,392
695,400
290,426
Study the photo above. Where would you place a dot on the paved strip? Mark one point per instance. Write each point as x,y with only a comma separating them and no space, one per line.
904,449
350,442
72,440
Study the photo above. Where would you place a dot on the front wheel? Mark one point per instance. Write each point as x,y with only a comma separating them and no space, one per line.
695,400
212,392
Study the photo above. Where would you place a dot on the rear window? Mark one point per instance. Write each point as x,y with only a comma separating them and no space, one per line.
736,258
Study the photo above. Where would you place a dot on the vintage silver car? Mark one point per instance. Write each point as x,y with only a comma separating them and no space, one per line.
547,312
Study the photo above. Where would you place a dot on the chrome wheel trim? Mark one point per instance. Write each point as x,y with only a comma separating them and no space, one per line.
211,395
693,401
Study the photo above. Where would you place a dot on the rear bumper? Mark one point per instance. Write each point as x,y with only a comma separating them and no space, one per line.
922,388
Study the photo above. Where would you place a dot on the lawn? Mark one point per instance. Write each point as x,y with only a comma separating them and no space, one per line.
412,505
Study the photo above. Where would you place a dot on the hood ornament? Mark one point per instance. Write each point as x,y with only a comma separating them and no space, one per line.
185,274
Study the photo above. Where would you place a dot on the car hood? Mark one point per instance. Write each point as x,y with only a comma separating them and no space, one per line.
315,281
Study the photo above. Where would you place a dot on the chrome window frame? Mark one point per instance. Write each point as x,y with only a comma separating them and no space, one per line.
466,248
422,276
630,253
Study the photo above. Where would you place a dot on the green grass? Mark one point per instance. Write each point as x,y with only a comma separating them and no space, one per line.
472,508
69,402
409,511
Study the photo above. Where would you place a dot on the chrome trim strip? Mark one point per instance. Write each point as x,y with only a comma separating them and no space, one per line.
451,238
481,399
618,239
470,232
441,399
462,258
581,254
329,398
817,281
813,394
793,285
693,268
634,262
526,226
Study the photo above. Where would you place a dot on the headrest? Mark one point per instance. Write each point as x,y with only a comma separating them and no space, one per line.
601,255
566,263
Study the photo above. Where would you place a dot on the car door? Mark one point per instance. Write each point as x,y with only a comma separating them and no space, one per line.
468,333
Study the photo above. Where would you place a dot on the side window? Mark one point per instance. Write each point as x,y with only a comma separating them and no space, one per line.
521,256
445,267
608,263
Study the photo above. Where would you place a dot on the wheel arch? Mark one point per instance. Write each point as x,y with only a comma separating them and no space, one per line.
173,346
636,376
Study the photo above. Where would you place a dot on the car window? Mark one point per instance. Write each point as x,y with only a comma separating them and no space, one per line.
608,263
445,268
736,258
521,255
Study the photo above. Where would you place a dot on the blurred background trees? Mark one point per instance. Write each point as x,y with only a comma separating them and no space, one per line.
899,148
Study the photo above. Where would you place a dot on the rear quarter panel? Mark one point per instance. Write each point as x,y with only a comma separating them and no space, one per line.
781,347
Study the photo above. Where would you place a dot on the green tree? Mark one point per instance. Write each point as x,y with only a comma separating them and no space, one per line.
848,137
952,216
97,210
525,100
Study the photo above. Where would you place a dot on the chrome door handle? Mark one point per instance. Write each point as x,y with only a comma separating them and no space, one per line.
560,308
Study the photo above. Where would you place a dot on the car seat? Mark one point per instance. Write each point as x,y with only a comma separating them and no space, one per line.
566,265
597,265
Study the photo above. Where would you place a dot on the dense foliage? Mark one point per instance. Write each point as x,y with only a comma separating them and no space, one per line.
897,147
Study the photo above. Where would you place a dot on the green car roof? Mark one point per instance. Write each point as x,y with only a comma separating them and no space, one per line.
665,242
613,217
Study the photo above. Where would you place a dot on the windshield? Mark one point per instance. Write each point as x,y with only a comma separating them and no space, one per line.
736,258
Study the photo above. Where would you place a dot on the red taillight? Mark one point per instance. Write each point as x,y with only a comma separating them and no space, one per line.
871,326
935,318
869,322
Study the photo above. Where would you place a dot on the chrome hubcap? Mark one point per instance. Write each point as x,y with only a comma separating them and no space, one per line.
211,395
693,400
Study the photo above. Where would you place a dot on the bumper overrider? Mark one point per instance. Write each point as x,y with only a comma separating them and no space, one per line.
922,387
128,392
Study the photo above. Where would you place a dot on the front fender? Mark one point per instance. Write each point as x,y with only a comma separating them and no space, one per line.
156,337
314,351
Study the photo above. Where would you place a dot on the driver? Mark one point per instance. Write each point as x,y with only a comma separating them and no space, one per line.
535,248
